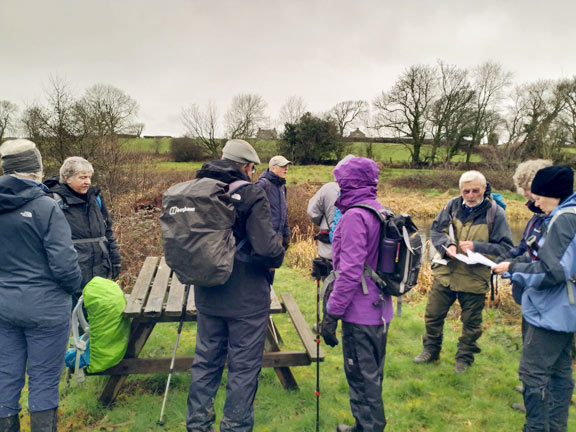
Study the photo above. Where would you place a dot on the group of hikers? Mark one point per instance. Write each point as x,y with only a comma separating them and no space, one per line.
56,236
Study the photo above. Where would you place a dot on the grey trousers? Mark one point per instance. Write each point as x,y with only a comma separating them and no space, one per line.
364,349
241,341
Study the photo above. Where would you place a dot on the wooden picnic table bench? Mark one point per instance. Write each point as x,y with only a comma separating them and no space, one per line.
158,296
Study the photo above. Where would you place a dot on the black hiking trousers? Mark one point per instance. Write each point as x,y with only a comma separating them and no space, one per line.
439,303
241,340
546,372
364,350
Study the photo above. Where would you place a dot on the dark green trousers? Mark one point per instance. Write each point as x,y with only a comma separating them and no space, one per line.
439,303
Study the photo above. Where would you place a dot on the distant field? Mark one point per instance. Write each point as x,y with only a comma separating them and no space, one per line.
385,152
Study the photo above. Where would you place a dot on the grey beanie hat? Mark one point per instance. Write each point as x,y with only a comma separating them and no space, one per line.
20,156
240,151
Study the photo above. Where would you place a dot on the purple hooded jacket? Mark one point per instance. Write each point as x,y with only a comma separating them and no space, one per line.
355,243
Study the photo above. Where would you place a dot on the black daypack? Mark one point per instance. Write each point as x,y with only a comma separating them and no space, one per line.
399,253
197,219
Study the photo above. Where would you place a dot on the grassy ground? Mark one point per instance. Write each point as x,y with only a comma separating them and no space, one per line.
417,397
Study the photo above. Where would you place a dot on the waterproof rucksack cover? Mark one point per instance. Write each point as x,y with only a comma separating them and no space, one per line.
401,230
197,219
109,329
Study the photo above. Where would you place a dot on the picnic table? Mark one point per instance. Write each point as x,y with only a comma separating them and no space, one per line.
158,297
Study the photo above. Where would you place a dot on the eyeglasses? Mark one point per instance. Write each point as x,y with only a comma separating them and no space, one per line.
467,191
253,170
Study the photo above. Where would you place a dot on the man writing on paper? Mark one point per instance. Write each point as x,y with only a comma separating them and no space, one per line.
470,222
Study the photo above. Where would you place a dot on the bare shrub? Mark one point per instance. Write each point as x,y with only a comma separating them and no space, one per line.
186,150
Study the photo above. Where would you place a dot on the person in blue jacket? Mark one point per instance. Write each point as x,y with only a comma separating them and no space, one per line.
548,305
273,181
38,275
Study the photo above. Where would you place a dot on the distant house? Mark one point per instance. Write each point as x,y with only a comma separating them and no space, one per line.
266,134
357,134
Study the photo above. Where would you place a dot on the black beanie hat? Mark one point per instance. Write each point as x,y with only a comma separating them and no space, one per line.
555,181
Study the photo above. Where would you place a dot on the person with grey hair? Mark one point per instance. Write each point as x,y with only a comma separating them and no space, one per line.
90,222
38,275
232,317
471,222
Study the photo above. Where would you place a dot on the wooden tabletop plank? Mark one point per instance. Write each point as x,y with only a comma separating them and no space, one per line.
158,291
191,305
275,305
302,328
175,297
141,288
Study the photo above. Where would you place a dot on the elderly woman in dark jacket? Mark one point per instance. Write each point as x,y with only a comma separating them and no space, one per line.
89,219
39,272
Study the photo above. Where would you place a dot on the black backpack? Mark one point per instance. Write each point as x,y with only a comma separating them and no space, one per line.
197,219
399,253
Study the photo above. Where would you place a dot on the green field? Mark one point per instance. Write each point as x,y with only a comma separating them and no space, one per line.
385,152
428,398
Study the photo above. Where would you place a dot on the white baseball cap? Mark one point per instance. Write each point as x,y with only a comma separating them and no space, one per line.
280,161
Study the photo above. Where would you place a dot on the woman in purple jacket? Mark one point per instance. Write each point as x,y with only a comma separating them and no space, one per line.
364,316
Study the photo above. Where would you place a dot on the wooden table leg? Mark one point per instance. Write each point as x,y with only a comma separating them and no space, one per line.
284,373
139,333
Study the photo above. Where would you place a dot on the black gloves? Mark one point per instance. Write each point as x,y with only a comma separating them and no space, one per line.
286,242
116,269
321,267
329,326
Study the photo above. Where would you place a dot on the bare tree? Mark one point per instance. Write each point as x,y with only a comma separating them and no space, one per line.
568,114
292,110
8,112
489,82
544,101
405,109
245,115
201,125
32,123
455,95
346,113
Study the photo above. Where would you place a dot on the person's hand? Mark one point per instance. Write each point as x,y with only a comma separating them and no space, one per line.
116,269
286,242
466,246
501,267
329,326
451,251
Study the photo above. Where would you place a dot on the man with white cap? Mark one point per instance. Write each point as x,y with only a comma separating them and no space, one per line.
273,180
232,317
38,276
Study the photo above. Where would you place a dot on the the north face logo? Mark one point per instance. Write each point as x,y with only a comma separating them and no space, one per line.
26,214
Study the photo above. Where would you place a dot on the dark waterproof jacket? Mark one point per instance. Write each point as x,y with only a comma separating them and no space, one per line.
91,227
469,225
39,269
527,250
247,292
275,188
545,301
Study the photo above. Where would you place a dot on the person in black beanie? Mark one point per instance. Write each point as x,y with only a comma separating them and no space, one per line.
548,304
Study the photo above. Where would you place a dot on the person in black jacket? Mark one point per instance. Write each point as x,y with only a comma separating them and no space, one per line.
38,274
89,220
232,317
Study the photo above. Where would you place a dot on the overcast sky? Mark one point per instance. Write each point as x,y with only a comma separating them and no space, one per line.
170,53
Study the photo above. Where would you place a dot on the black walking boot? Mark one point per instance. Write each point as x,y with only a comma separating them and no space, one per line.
44,421
10,424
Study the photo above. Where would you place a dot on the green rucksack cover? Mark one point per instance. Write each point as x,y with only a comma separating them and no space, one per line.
109,329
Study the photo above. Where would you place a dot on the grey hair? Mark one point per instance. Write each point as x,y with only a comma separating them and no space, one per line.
470,176
73,166
21,145
526,171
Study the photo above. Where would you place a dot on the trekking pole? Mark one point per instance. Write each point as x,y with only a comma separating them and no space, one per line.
186,291
317,392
